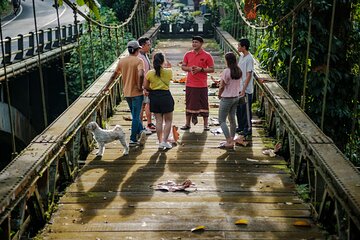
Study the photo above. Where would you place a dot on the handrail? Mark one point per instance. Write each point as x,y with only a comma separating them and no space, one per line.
25,46
54,156
315,160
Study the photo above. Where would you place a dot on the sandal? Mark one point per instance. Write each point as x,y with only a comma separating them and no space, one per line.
185,127
206,129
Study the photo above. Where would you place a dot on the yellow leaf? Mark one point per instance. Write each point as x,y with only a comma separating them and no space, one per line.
198,228
241,222
302,223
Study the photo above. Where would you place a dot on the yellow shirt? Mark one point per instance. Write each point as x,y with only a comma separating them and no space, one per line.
159,83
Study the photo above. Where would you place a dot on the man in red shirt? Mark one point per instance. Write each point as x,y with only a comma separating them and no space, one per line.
198,63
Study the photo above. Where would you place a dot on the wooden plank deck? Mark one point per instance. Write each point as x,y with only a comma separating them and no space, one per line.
113,196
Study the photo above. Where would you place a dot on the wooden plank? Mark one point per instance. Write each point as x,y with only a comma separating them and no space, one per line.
185,235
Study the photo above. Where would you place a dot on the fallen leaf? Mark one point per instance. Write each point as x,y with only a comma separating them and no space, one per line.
242,222
302,223
198,228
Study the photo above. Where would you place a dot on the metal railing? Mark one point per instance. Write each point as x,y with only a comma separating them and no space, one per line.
333,181
30,183
24,46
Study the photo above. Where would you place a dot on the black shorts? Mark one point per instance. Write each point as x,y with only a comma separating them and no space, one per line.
161,101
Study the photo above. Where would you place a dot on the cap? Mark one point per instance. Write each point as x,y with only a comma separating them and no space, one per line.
198,38
133,44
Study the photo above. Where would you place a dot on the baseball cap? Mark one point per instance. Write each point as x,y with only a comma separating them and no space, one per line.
133,44
198,38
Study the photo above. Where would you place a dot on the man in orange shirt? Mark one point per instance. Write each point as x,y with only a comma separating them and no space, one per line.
198,63
132,69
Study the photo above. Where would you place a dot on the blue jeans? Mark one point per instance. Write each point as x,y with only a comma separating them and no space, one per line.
244,116
135,104
227,108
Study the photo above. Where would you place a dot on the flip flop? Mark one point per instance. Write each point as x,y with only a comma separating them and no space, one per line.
206,129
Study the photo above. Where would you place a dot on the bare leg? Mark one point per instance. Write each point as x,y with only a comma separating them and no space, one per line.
188,118
167,128
148,113
159,123
143,110
206,121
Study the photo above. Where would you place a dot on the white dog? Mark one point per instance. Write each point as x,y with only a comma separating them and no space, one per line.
103,136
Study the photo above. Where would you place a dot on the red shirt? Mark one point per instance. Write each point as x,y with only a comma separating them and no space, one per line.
201,59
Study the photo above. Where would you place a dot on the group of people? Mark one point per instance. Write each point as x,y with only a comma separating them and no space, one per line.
146,89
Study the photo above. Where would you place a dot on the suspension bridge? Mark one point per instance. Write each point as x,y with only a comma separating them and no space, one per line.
58,186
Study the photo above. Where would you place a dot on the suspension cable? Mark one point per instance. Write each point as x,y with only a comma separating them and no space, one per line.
78,49
117,41
12,130
303,97
92,52
40,69
328,65
291,50
102,47
62,55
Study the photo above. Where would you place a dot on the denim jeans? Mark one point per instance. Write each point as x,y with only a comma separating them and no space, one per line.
227,108
244,116
135,104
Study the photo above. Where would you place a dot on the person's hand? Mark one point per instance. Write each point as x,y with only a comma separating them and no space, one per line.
167,64
195,69
146,92
217,82
242,93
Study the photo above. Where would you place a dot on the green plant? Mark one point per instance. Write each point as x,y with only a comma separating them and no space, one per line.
195,13
303,191
273,52
89,54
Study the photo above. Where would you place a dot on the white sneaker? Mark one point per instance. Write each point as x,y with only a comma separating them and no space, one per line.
147,131
142,138
165,145
133,144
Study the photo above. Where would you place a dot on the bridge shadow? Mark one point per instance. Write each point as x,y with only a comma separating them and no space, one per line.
106,188
234,182
248,183
142,178
191,147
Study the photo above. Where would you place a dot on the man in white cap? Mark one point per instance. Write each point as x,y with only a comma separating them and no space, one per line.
132,69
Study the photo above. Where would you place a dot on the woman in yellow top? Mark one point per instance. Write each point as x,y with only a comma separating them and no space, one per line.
157,82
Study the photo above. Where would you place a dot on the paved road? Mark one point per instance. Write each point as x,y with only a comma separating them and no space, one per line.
46,17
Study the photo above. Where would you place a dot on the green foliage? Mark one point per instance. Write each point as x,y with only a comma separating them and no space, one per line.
122,8
274,49
89,49
4,7
90,3
352,149
303,191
